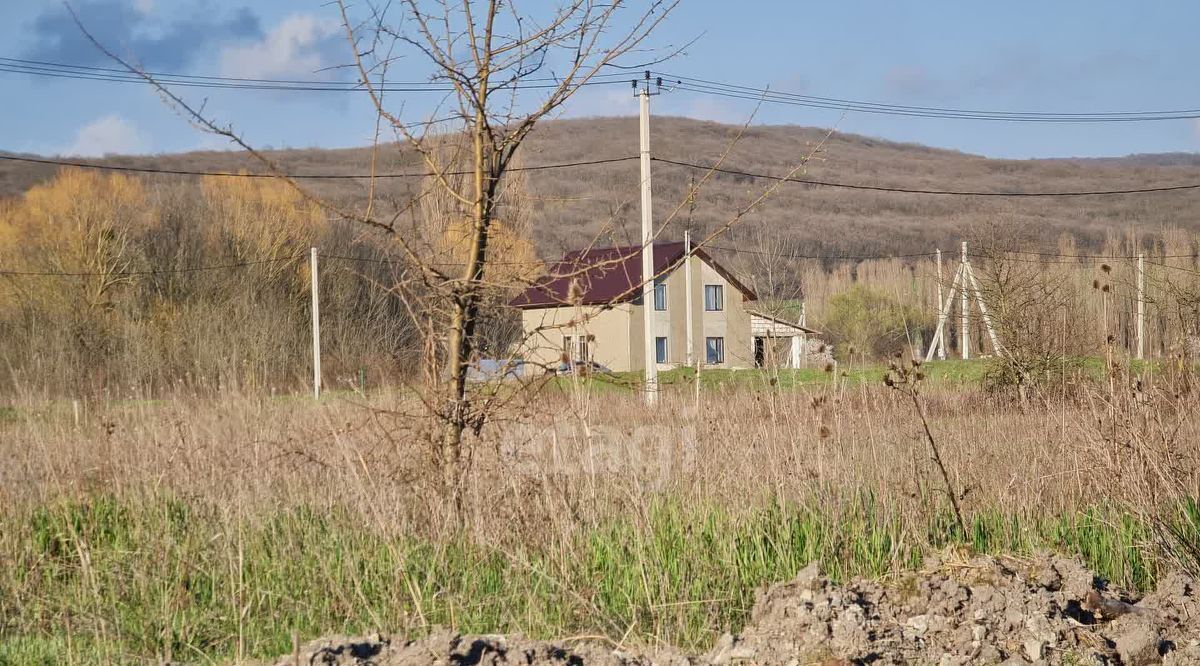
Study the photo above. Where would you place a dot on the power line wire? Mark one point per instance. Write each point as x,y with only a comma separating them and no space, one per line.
392,262
789,255
709,87
86,73
902,190
621,77
161,271
342,176
1097,256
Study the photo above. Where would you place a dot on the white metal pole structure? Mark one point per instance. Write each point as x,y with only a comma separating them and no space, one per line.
651,389
1141,305
965,341
687,301
944,314
316,324
983,311
941,332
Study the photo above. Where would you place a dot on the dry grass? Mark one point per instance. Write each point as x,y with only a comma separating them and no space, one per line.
576,458
217,527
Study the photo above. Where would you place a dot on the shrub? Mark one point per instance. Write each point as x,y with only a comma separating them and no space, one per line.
872,323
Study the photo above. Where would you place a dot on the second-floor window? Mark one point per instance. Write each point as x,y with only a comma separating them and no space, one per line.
714,297
660,295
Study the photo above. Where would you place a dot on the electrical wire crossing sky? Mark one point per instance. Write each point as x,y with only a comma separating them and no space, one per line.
1018,79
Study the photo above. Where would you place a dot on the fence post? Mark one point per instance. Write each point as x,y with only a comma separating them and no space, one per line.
316,324
1141,305
965,343
941,330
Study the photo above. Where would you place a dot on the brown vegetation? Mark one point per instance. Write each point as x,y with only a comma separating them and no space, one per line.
583,498
106,301
571,205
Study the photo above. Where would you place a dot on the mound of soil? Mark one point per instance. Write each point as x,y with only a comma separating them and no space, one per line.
981,611
986,610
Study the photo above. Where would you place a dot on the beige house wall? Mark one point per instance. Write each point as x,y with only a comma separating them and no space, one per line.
545,327
733,323
618,331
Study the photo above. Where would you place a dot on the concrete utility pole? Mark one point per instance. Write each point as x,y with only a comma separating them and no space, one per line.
651,389
963,283
316,324
965,342
687,282
1141,305
944,314
983,311
941,332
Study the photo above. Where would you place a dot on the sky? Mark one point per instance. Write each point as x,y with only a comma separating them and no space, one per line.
1062,56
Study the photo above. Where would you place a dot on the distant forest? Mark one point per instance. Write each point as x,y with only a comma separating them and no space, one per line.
573,206
100,295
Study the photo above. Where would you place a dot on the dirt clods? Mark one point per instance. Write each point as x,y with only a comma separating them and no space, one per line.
985,610
446,647
956,611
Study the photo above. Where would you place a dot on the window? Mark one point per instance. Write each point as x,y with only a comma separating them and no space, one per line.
660,350
660,294
585,347
578,348
714,297
714,350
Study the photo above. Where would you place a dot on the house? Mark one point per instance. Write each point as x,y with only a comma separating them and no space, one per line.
589,307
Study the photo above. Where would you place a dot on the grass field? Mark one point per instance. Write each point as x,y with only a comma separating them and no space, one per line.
210,530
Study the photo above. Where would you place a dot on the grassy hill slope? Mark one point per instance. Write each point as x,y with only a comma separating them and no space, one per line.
573,205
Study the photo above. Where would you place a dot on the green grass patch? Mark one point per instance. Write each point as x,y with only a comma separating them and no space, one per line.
112,580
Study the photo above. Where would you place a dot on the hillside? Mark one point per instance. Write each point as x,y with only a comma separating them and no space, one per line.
572,205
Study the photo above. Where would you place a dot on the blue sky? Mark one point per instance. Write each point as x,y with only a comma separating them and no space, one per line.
1061,56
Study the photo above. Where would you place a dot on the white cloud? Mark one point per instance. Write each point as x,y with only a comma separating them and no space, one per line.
602,101
295,47
716,111
144,6
111,134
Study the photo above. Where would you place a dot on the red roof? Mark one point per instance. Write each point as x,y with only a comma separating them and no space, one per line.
608,275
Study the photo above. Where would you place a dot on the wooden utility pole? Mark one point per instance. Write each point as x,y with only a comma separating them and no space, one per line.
651,389
316,324
941,332
964,342
1141,305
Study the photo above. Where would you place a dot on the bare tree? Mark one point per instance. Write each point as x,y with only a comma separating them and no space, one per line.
507,70
1035,309
502,70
